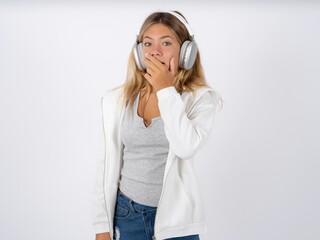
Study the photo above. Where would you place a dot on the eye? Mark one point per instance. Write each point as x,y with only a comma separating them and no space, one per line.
147,44
166,43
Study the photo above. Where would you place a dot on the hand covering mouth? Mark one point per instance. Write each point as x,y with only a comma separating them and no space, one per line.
161,61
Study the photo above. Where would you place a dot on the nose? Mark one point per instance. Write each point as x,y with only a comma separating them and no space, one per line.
156,51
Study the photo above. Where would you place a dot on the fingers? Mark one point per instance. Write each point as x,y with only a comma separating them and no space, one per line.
149,78
154,62
172,67
157,73
150,68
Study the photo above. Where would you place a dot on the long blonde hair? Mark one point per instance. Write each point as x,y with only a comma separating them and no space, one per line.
184,81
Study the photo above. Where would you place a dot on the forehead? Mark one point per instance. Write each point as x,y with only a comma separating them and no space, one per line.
159,30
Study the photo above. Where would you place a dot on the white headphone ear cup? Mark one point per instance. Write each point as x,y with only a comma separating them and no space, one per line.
188,54
138,56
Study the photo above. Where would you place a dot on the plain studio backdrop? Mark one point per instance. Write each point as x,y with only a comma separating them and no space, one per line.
259,171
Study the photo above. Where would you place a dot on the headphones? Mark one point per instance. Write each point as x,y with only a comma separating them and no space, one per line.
188,50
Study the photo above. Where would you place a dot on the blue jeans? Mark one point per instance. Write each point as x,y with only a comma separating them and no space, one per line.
134,221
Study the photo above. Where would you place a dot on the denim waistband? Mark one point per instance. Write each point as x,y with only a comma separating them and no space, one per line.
132,204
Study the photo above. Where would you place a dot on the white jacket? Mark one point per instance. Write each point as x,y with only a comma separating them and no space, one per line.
187,123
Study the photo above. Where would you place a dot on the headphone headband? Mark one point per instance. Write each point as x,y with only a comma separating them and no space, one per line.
177,15
182,20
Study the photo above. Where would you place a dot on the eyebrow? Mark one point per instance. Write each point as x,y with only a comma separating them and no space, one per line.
165,36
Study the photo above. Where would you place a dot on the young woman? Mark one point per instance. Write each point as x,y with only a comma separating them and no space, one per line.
153,126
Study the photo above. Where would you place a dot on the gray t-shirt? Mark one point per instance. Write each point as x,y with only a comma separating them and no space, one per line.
144,157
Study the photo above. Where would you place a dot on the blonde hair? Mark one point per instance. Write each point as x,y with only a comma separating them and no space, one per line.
184,81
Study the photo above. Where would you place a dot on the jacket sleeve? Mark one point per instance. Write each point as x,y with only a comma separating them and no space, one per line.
99,209
186,133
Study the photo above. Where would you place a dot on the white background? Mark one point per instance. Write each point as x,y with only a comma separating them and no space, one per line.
259,172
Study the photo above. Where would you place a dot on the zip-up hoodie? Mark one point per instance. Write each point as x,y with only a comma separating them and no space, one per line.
187,124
